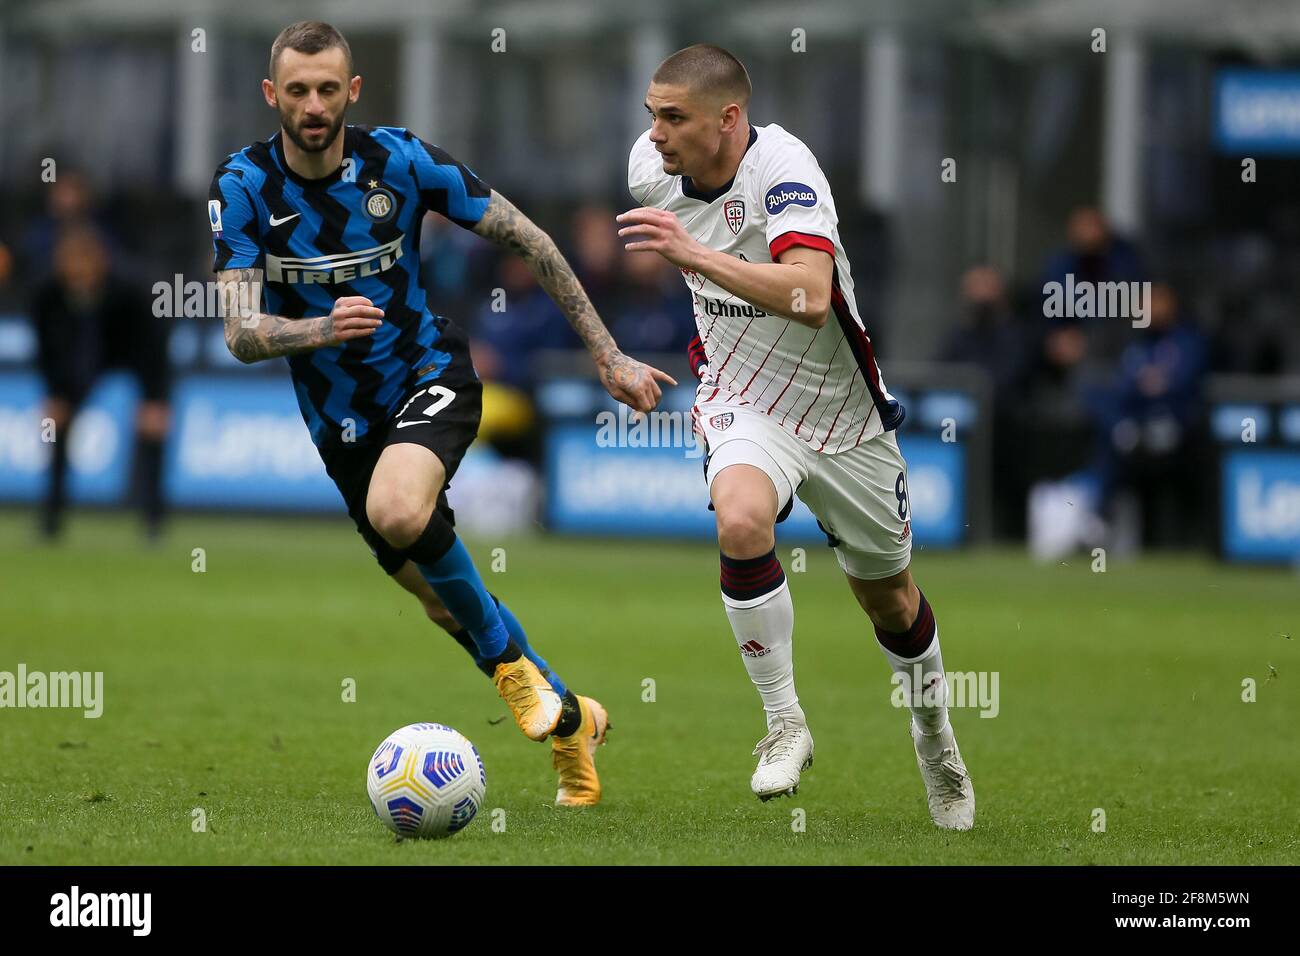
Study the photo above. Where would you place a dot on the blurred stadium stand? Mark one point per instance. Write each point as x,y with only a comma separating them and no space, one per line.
1151,134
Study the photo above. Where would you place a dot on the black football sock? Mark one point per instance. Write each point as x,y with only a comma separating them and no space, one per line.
511,654
570,716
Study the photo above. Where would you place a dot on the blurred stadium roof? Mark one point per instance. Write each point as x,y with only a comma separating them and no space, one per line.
1262,27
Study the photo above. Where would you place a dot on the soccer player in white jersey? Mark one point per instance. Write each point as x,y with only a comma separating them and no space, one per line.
790,401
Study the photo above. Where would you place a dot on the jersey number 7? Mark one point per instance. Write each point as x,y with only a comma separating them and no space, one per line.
441,395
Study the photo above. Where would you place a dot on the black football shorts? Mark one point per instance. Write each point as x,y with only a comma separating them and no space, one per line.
442,415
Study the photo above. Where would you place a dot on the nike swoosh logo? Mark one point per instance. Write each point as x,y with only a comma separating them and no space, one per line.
280,222
404,424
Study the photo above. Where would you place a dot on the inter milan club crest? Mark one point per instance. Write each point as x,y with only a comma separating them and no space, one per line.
722,422
734,210
379,204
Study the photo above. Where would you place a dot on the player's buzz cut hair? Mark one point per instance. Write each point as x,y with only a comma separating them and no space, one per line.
705,68
308,36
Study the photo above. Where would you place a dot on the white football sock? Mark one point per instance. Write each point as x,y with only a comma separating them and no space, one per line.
926,701
764,629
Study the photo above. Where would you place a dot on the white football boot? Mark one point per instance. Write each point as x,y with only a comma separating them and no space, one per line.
948,789
782,755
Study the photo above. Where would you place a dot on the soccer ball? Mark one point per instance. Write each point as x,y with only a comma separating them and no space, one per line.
426,780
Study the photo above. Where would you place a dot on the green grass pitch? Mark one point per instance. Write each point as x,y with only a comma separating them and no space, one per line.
223,691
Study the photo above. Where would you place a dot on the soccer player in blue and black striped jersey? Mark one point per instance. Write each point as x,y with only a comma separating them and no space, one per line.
316,234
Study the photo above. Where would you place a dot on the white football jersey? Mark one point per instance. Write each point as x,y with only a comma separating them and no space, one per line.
822,385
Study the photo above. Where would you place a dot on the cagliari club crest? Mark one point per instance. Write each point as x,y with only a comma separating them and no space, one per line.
722,422
734,211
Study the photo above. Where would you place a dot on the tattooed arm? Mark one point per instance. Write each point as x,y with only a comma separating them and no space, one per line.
252,335
626,379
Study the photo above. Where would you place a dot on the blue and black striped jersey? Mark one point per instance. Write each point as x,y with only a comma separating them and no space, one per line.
355,232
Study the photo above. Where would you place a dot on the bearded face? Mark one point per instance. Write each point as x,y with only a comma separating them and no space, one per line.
311,93
312,133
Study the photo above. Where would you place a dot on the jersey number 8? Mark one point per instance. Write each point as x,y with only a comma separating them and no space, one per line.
900,492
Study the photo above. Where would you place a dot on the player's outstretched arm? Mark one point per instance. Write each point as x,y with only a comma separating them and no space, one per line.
253,335
631,382
796,287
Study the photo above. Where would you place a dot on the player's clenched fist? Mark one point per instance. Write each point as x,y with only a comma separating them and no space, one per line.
353,317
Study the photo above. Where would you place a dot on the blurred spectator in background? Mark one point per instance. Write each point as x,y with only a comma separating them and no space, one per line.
597,254
517,320
513,324
69,201
654,312
88,320
455,266
989,336
1150,428
1092,254
1070,358
1256,332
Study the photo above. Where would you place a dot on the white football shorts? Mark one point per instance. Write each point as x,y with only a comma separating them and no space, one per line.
858,496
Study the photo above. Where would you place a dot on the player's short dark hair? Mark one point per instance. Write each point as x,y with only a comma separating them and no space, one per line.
708,69
308,36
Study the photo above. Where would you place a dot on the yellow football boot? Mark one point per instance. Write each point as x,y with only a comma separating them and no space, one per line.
574,757
532,700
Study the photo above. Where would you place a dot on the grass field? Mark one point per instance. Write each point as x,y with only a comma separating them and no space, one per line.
1119,691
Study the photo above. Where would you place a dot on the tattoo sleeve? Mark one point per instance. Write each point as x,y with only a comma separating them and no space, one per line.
510,229
253,335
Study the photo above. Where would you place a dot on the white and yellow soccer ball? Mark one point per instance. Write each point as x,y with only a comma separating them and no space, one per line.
426,780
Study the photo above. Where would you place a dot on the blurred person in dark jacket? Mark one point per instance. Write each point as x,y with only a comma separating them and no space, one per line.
514,324
88,321
1150,426
454,266
597,253
653,312
1093,254
990,337
69,202
517,321
1071,357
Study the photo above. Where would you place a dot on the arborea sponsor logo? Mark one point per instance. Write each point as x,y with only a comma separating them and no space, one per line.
76,908
82,690
977,689
786,194
1085,299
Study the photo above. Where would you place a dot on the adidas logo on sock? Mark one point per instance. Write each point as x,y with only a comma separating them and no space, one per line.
753,649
